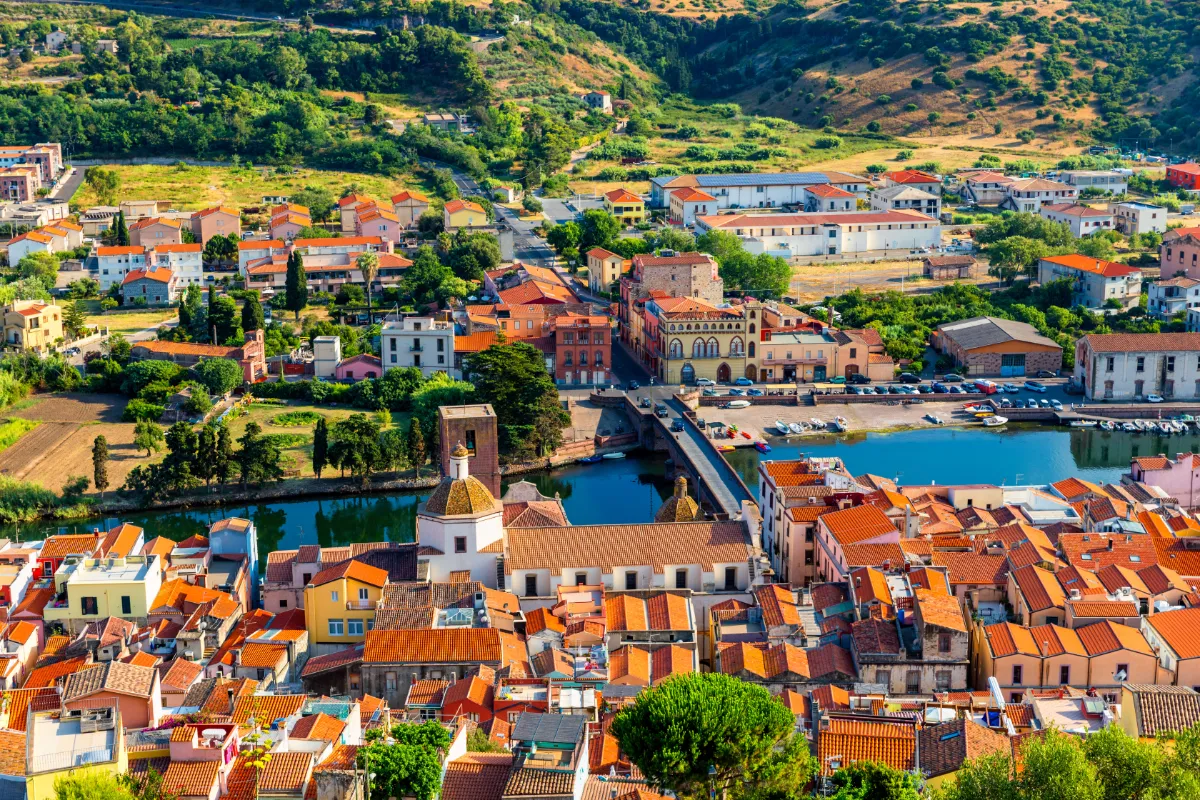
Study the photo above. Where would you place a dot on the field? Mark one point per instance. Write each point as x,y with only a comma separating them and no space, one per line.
126,324
194,187
61,445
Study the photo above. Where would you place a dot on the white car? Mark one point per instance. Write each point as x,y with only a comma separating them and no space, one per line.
1034,386
1011,388
1154,398
1057,406
705,382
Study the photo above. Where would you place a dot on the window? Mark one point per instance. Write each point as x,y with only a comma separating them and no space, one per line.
531,589
1141,363
1064,676
942,680
282,603
1018,674
389,681
1170,363
580,578
364,594
333,596
126,607
681,579
441,345
912,681
335,627
883,677
1123,668
730,579
460,544
371,624
90,606
1111,362
355,627
630,580
307,578
943,643
471,442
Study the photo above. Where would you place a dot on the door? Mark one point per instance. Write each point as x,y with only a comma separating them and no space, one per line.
751,372
687,374
851,370
1012,365
819,374
723,373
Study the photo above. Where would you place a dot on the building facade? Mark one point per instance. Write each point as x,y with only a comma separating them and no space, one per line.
422,342
582,349
852,233
1180,253
1133,217
32,325
1094,283
1132,366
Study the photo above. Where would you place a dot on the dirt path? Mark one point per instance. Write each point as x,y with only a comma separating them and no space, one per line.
31,449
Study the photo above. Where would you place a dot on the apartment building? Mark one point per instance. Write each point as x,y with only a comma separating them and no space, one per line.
422,342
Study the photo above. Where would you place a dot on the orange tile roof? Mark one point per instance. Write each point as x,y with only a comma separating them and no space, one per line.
217,210
540,619
857,524
1007,639
1039,587
1102,608
353,200
609,546
441,646
318,726
409,194
426,693
847,741
1107,636
265,244
52,674
262,655
177,248
870,584
65,545
20,632
285,773
1180,630
19,700
911,176
264,709
454,206
120,251
475,342
353,570
778,604
670,660
476,776
191,778
622,196
629,665
471,689
972,568
1109,269
940,609
1055,640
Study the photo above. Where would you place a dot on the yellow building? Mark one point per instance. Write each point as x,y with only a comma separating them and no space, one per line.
93,589
339,605
63,744
697,340
463,214
32,325
604,269
625,206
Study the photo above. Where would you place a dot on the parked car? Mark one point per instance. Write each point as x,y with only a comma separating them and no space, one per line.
838,379
1045,373
908,377
971,388
677,425
1012,388
939,388
709,393
634,386
1031,403
754,392
737,392
645,402
1035,386
743,381
1045,403
954,390
951,377
1005,403
705,382
660,410
1056,405
701,424
859,378
1154,398
923,389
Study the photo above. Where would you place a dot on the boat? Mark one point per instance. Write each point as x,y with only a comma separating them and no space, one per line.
841,421
1128,427
1083,423
1108,425
797,427
745,435
591,459
726,448
1139,425
782,427
762,447
739,404
840,427
936,420
1165,427
995,421
984,414
613,456
817,423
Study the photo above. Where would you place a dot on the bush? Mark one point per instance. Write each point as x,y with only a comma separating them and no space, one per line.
199,403
219,375
296,418
11,389
827,142
141,374
24,502
14,429
141,411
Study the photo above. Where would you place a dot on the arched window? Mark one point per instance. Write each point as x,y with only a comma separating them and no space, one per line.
698,348
736,346
752,327
675,350
752,349
706,326
714,348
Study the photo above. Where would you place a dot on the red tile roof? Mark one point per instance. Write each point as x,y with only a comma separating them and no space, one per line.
1180,630
847,741
1142,342
857,524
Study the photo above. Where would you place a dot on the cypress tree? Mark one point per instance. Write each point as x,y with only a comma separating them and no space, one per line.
320,455
100,464
296,289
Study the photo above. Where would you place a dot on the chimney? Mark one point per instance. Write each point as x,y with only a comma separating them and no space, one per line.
1110,545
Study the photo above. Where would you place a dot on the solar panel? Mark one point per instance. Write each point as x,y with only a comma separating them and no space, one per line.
764,179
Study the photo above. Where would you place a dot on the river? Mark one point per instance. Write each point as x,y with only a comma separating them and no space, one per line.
632,489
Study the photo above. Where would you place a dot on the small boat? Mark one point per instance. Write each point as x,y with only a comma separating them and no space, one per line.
726,448
1139,425
1083,423
797,427
841,421
591,459
1179,427
984,414
762,447
817,423
1129,427
1165,427
1108,425
995,421
613,456
782,427
936,420
840,427
739,403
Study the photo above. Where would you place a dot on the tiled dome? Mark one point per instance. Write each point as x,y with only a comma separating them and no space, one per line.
460,496
679,507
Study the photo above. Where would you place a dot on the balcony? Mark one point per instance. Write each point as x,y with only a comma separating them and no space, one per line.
361,605
416,348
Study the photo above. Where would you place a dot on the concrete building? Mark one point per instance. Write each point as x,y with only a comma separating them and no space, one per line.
216,220
91,589
114,263
755,190
599,101
1082,220
907,198
32,325
854,233
1180,253
990,346
688,203
1031,194
1133,217
155,286
604,269
251,356
327,354
626,206
1094,283
985,188
1109,181
1132,366
463,214
408,206
422,342
186,261
1172,296
826,199
152,231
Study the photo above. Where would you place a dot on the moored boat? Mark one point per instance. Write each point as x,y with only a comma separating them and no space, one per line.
1083,423
797,427
591,459
614,456
762,447
995,421
782,427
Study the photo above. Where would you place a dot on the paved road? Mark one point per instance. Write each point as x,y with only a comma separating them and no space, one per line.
71,185
143,335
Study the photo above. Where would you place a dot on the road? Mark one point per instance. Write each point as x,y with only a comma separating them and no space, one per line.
71,185
143,335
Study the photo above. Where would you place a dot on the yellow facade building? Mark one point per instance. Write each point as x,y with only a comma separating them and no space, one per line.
339,605
463,214
31,325
697,340
625,206
65,743
93,589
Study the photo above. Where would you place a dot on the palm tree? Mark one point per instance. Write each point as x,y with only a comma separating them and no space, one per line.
368,264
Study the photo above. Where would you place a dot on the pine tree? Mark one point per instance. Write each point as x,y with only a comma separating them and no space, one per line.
121,230
206,461
252,315
416,445
223,463
296,289
100,464
320,456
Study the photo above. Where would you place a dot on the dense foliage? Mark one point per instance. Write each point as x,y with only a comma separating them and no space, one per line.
407,762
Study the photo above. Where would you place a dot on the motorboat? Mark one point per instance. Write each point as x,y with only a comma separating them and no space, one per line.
745,435
839,425
1108,425
613,456
1083,423
591,459
782,427
762,447
1165,427
797,427
936,420
841,421
726,448
738,404
817,424
1139,426
995,421
1129,427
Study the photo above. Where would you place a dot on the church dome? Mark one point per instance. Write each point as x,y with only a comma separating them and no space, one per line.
679,507
455,496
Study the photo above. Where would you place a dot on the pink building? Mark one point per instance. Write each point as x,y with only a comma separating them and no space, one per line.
19,184
1178,477
1180,252
358,368
132,688
378,222
865,524
288,226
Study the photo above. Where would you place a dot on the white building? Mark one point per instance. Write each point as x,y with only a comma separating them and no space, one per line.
826,199
1094,282
422,342
55,40
185,260
688,203
906,198
795,235
986,188
327,352
600,101
29,242
464,521
1104,180
1082,220
1031,194
1168,297
1133,217
1132,366
1193,320
114,263
755,190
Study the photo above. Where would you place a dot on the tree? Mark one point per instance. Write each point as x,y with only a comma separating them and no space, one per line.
191,311
252,315
296,287
597,229
42,267
989,777
258,458
422,279
206,454
223,465
219,376
105,183
368,264
90,784
870,780
221,248
1055,768
320,454
410,765
121,230
564,236
148,436
75,319
472,254
223,319
1126,768
678,731
1010,257
549,141
100,464
416,445
317,200
514,380
354,445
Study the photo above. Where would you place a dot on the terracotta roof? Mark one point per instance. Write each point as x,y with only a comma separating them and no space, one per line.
1102,608
455,206
441,646
690,195
68,545
476,776
944,748
540,619
1162,709
191,778
972,568
876,636
857,524
1055,640
217,210
20,632
847,741
870,585
1180,629
825,190
52,674
911,176
825,595
265,709
860,555
113,676
19,701
660,612
1107,636
12,753
1096,550
179,673
1039,587
768,663
318,726
778,604
409,194
475,342
1079,210
622,196
1142,342
670,660
285,773
352,570
629,665
940,609
120,251
262,655
1007,639
267,244
177,248
473,689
